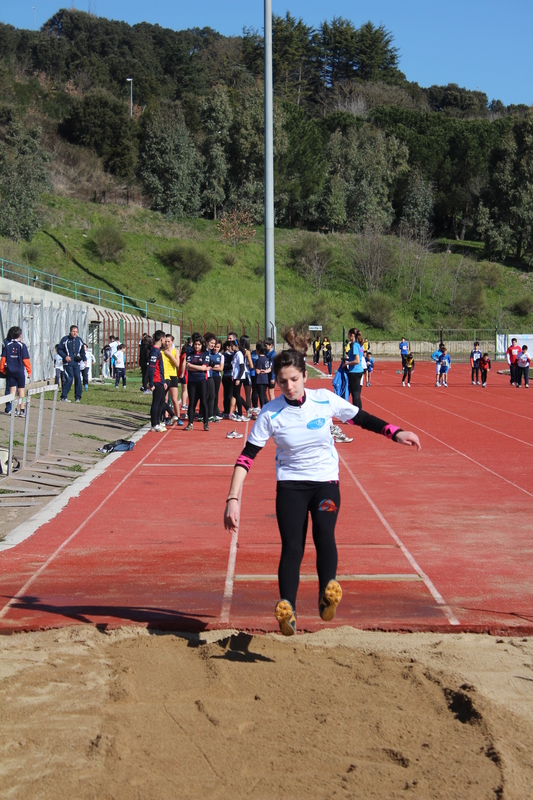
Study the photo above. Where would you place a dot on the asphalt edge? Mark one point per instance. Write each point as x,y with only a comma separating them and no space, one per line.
57,504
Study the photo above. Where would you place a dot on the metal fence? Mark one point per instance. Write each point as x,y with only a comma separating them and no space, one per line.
459,341
42,328
81,292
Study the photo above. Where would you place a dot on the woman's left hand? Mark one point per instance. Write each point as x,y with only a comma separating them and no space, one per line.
408,438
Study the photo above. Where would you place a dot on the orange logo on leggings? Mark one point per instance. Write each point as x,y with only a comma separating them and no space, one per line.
327,505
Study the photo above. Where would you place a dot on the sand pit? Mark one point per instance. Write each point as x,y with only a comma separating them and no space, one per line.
135,714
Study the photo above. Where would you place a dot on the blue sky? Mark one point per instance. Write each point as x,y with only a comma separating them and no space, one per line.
480,44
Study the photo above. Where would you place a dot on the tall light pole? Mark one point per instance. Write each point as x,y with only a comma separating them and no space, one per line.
270,287
34,19
130,81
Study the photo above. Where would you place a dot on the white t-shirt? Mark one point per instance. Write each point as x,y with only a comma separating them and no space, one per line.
113,348
523,359
238,359
58,361
119,359
305,447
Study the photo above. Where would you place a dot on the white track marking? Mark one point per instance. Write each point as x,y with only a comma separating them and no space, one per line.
55,506
67,541
460,416
230,572
189,465
501,410
459,452
412,561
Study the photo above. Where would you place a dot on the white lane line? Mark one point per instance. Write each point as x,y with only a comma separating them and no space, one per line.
460,416
459,452
62,546
379,577
412,561
230,572
189,465
500,410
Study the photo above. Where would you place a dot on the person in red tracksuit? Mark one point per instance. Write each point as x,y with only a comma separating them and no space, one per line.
512,354
484,366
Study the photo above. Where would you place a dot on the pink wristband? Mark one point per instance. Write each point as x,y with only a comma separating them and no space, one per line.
390,430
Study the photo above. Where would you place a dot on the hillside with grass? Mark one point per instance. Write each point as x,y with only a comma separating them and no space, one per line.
383,284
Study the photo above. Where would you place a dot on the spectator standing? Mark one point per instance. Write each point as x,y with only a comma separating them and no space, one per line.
14,362
144,359
72,352
475,357
354,365
113,346
120,366
328,356
86,369
156,382
317,346
435,357
263,370
198,366
105,352
227,379
404,350
58,366
445,363
522,368
512,355
271,353
170,366
369,367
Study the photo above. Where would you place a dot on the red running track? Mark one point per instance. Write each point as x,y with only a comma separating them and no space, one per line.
438,540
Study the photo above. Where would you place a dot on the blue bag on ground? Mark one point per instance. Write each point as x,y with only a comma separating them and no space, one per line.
118,446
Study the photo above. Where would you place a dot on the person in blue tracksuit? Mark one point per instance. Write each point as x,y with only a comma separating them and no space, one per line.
72,351
444,367
435,357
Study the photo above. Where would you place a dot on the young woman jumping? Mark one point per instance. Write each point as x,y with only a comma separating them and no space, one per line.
307,471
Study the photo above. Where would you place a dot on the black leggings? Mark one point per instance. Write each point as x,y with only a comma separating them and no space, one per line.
262,391
238,397
197,391
406,374
294,501
158,404
227,387
484,373
475,371
354,382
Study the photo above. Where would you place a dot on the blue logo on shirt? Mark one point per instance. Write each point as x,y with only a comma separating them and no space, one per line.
319,422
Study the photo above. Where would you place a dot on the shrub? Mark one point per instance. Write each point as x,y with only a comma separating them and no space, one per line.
523,306
188,261
31,253
312,260
183,289
471,299
108,243
378,311
492,275
230,259
236,226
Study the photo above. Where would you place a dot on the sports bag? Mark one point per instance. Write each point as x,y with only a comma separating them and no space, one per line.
118,446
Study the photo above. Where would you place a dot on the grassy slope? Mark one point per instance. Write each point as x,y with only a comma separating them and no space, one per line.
235,293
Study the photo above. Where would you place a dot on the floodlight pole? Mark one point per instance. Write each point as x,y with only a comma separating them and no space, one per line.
130,81
34,18
270,289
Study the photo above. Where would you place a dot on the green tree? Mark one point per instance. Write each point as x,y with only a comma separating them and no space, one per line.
216,117
170,165
364,166
102,122
505,221
375,56
418,205
23,178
